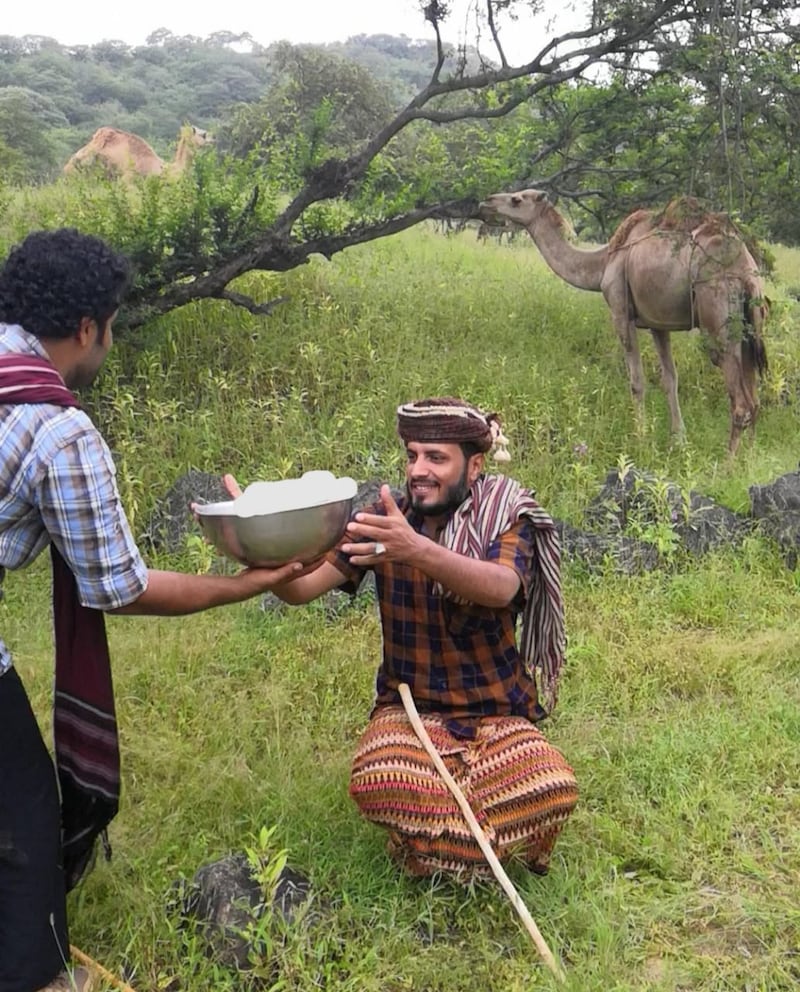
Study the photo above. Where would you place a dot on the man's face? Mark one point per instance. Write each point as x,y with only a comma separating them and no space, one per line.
97,342
439,476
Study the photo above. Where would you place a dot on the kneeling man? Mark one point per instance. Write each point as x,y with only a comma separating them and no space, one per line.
457,561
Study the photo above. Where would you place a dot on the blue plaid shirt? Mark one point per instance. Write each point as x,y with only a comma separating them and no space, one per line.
58,483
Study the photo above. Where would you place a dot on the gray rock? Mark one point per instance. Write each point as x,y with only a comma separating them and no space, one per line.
776,497
224,901
619,496
776,509
597,551
784,529
171,520
698,521
709,525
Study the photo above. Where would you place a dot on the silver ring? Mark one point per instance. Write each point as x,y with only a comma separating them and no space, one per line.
380,549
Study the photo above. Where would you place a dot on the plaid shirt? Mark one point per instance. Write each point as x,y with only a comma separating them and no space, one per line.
58,483
461,660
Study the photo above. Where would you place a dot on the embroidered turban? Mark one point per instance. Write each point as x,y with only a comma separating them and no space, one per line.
452,421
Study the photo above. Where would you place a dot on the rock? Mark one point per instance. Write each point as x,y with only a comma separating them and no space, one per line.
619,496
224,901
784,529
638,497
596,551
709,525
171,520
776,497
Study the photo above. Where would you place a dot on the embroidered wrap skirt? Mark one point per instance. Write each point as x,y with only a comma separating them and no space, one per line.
519,786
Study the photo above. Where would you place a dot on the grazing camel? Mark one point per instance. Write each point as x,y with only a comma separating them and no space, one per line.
670,270
126,154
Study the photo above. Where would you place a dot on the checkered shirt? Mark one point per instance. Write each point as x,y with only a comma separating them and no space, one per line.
456,659
58,483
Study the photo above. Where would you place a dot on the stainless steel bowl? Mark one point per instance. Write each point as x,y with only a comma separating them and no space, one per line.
300,533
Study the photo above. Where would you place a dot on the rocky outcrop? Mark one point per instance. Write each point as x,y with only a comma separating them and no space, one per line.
225,903
631,508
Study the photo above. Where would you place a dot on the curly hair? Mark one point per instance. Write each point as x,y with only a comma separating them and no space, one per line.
53,279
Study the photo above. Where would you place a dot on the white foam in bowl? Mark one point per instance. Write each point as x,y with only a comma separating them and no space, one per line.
311,489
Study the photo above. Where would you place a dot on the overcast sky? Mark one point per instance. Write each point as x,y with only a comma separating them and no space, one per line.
88,21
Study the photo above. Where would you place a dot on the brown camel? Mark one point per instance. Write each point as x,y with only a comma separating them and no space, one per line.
126,154
670,270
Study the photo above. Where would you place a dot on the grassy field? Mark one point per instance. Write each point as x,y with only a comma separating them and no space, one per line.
680,709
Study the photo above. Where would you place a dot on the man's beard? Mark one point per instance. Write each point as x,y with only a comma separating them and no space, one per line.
452,498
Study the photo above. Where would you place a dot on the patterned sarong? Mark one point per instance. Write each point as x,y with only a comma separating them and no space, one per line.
519,786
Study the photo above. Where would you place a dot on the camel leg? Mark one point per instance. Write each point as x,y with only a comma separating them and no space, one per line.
669,380
626,329
713,301
743,409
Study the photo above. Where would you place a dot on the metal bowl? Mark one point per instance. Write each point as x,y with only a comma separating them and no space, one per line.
272,523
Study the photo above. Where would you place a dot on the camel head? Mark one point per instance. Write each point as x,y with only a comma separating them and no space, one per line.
522,208
195,136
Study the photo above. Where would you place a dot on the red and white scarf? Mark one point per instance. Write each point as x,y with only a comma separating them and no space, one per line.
84,718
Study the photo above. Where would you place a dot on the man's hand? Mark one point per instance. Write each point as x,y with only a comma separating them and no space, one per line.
376,537
233,487
264,579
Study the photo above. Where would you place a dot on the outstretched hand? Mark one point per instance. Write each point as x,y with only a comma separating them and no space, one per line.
381,537
265,579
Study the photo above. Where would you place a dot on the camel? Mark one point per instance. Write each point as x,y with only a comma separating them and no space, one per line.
128,155
671,270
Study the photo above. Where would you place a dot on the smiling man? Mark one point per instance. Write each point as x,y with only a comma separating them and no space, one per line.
457,563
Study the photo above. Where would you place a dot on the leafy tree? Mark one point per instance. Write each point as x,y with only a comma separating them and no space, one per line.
13,167
314,94
340,197
25,119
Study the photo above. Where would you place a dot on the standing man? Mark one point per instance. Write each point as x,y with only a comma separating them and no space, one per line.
456,562
59,295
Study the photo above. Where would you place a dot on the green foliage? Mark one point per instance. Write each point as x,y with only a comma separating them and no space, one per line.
170,229
25,118
215,81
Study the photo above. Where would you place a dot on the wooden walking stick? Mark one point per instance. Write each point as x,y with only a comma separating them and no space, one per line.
98,969
479,835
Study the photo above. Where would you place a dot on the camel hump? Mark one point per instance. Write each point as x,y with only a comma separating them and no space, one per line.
621,236
118,151
105,136
114,137
682,215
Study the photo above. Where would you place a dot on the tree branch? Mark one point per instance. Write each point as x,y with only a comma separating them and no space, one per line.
260,309
563,58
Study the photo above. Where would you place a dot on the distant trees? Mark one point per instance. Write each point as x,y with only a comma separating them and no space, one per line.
26,120
326,101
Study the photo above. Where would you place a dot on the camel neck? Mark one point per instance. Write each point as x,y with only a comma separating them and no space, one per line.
580,267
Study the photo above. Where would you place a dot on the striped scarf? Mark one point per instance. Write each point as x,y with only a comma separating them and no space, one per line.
84,720
494,505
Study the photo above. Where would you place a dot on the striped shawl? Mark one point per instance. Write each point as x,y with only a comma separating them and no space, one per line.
496,503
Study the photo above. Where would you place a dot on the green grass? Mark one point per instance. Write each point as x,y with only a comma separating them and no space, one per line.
680,709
